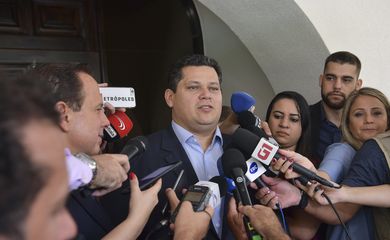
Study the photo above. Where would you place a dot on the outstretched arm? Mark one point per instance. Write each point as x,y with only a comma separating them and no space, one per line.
375,196
141,206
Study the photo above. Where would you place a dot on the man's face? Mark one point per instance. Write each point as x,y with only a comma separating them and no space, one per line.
337,82
86,129
48,218
197,103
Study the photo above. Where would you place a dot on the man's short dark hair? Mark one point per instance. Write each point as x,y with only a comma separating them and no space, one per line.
343,57
65,83
22,100
197,60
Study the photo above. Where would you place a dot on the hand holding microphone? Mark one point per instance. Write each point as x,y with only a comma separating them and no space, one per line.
112,169
199,222
263,150
203,194
111,172
234,166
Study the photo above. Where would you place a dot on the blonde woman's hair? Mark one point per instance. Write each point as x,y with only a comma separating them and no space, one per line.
366,91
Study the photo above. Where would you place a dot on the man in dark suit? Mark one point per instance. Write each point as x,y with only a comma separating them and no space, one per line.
339,79
193,137
82,120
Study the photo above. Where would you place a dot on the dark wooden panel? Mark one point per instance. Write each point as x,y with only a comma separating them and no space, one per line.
61,18
24,58
48,43
9,70
14,17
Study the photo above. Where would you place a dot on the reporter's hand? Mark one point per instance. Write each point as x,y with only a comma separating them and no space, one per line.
142,202
316,190
109,109
266,128
188,224
111,172
235,221
140,207
264,221
172,199
283,192
284,163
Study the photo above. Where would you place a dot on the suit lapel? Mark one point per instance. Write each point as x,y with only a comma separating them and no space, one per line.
174,151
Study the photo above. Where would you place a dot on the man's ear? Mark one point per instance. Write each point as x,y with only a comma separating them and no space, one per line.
320,80
359,84
169,97
65,115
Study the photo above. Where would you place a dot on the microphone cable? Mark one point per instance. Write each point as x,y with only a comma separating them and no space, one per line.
283,219
337,214
163,223
304,181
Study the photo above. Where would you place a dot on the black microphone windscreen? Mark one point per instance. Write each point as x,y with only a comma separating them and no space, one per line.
245,141
135,146
140,141
221,181
246,119
233,158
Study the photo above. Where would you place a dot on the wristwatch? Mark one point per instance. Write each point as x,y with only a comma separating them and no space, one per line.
91,163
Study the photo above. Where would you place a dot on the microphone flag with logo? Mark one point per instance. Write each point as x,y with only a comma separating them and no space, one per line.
120,126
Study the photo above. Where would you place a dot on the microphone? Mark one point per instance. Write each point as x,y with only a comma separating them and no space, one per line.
241,101
120,126
233,164
251,122
264,151
248,120
218,187
230,185
135,146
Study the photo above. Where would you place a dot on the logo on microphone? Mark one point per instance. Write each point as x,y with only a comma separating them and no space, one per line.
240,180
110,131
253,168
264,151
122,125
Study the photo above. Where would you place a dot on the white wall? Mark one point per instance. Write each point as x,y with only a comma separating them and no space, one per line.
280,38
239,69
359,26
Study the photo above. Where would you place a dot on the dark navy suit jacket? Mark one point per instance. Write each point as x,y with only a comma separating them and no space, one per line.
163,148
96,217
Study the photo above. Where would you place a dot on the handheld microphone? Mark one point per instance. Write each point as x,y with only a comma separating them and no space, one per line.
233,164
264,151
241,101
135,146
230,185
248,120
120,126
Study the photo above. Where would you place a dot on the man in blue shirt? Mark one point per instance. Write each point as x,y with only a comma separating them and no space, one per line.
193,137
339,79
